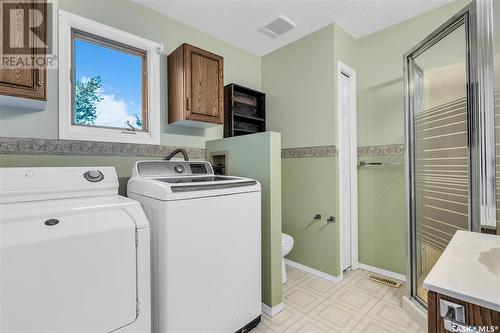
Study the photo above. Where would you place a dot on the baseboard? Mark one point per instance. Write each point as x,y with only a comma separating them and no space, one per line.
328,277
417,313
271,312
381,271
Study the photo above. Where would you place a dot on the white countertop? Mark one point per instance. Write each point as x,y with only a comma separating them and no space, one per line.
469,269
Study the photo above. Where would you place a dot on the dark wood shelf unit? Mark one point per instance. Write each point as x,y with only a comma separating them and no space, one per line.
244,131
237,115
245,100
244,110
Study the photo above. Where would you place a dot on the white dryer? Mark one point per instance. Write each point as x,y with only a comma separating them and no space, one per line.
74,255
206,246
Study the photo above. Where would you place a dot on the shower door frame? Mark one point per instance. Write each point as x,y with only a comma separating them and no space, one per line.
480,126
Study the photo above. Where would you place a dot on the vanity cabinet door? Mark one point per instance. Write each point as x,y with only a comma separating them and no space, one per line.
25,81
195,86
475,315
204,85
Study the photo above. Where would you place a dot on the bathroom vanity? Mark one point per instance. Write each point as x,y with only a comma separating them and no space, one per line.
464,285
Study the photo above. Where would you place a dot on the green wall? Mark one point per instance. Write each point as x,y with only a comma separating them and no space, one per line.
381,214
310,186
258,156
239,67
300,84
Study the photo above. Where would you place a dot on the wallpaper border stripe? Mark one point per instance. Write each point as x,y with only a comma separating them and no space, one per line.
332,151
40,146
305,152
381,150
36,146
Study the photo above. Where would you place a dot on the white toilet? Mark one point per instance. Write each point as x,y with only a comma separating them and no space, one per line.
286,247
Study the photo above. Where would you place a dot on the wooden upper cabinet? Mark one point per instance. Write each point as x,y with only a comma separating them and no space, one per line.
195,86
25,81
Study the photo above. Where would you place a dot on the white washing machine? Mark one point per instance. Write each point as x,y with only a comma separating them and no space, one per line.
74,255
206,246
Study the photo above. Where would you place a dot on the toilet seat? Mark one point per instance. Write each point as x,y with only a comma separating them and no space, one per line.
286,239
286,247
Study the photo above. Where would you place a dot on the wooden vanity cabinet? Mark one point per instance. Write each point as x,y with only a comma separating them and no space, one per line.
26,82
475,315
195,87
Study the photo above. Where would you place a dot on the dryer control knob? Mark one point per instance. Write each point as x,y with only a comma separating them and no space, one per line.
179,168
93,176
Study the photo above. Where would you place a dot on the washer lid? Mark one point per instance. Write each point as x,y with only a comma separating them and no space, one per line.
67,269
162,189
178,180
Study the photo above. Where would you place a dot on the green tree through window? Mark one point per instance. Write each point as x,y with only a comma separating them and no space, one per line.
138,121
86,99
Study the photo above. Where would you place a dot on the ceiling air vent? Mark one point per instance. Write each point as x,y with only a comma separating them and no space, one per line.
277,27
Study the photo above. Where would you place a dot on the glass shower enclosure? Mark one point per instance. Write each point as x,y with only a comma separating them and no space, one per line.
450,147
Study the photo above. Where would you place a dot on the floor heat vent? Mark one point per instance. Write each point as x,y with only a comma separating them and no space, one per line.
385,280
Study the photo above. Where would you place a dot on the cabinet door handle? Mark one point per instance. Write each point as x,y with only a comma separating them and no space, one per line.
40,75
188,103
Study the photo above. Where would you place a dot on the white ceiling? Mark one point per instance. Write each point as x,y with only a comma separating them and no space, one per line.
237,22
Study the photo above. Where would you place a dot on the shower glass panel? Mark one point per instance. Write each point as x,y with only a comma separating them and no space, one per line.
440,148
496,59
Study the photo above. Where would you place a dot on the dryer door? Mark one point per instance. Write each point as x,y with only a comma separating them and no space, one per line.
74,271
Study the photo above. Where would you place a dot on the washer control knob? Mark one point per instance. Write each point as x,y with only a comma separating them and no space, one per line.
93,176
179,168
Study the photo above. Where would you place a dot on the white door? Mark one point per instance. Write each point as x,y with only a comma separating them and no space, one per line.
345,172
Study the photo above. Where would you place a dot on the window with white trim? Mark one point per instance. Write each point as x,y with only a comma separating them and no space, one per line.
109,83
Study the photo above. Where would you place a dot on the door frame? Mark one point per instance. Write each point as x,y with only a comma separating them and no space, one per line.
459,19
343,69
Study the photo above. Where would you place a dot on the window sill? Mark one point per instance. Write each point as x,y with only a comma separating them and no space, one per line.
108,135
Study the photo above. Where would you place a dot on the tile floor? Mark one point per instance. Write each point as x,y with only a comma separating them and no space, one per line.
314,305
